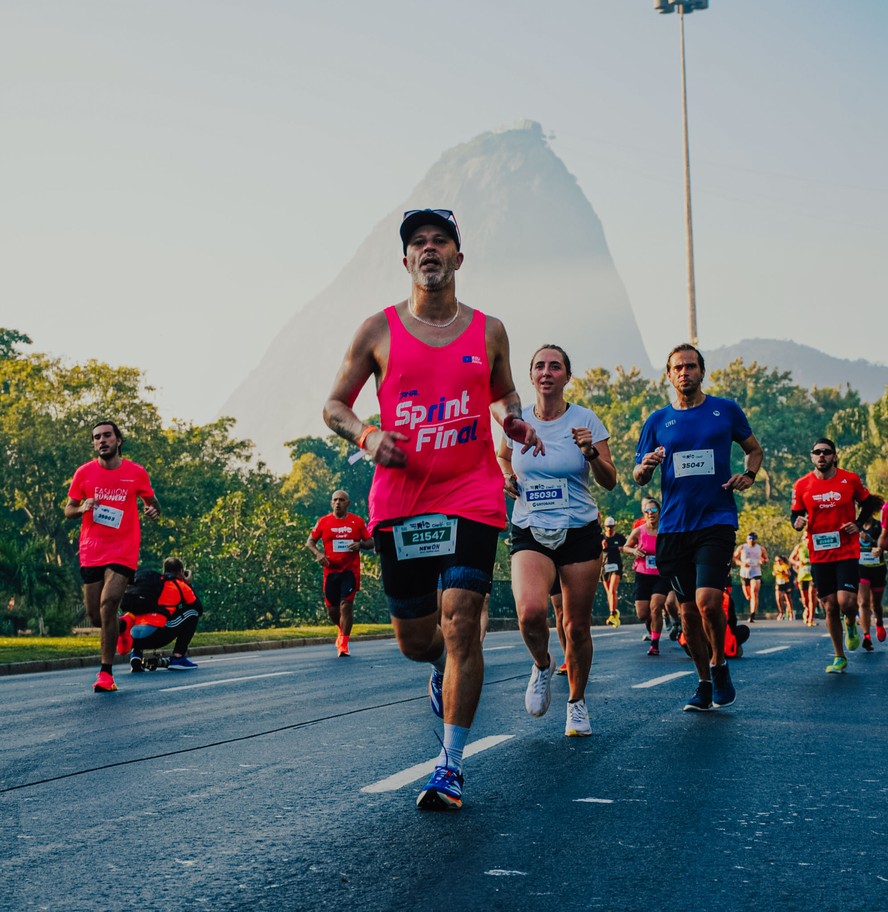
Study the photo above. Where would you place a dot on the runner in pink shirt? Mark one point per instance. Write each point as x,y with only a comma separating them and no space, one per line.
436,503
104,495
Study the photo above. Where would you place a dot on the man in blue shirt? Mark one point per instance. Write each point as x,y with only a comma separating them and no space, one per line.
691,441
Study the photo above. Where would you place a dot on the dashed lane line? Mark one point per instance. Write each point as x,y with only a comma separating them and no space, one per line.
276,674
762,652
663,680
421,770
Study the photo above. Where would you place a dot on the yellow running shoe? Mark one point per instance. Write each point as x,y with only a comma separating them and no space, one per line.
838,666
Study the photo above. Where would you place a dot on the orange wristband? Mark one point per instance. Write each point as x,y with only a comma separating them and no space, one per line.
364,434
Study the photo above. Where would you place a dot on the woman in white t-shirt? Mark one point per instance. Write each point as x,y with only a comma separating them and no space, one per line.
555,530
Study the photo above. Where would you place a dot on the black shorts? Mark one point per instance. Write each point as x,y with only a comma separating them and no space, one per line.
784,587
831,577
696,560
648,584
339,587
582,544
91,575
875,576
411,585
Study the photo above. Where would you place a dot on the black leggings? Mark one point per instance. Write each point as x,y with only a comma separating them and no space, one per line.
180,627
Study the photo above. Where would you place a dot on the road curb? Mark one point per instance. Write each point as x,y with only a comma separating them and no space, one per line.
93,661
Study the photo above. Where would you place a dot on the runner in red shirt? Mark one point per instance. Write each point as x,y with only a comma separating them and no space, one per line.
105,493
343,535
824,501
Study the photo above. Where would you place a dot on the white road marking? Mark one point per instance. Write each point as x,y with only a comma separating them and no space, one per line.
276,674
499,872
655,681
421,770
761,652
595,800
497,648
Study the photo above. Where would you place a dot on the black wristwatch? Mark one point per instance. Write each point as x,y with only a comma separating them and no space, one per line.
750,474
593,455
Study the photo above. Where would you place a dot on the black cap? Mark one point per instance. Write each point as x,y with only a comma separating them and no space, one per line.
442,218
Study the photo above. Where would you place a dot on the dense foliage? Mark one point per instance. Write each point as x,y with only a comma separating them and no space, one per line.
242,529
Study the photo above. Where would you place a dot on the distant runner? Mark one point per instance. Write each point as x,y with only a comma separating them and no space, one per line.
104,494
342,536
823,503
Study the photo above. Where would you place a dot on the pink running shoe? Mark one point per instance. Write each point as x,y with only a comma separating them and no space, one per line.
104,683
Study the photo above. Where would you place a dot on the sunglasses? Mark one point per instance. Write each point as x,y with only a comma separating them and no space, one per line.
651,510
821,452
444,213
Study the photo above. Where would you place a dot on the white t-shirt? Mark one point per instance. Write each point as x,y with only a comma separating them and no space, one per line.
553,489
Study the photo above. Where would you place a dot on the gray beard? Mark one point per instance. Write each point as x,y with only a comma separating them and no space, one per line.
433,281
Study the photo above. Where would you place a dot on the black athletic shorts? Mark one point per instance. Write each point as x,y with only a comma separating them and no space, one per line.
411,585
97,574
831,577
581,544
696,560
784,587
648,584
339,587
875,576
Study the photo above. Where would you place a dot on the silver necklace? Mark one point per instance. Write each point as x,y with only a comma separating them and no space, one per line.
418,319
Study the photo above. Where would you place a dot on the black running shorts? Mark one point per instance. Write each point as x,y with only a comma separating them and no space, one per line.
696,560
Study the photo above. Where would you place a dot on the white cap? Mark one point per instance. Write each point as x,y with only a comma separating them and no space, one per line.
610,521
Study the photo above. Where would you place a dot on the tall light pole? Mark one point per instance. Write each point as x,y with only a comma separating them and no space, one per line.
686,6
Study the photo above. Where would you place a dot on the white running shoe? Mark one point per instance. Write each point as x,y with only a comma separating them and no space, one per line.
538,695
577,720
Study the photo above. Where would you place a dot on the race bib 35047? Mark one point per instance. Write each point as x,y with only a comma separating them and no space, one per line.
693,462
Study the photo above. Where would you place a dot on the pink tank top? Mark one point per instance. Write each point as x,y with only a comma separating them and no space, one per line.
440,399
647,542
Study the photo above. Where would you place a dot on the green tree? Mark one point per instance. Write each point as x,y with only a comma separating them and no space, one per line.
623,404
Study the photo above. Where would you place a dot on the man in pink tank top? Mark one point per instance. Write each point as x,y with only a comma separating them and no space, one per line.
436,503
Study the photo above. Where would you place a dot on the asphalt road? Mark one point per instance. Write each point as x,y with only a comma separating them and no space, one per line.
286,780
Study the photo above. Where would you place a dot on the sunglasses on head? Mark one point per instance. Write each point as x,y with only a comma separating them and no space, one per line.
444,213
821,452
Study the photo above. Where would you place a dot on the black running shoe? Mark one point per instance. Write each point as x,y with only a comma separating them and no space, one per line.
702,699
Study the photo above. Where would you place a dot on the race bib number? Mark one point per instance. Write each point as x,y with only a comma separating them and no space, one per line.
868,559
546,495
826,541
433,535
341,545
650,561
693,462
107,516
611,568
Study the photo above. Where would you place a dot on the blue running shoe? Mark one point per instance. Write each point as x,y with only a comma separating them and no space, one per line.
443,792
702,699
182,663
136,661
839,665
723,692
436,695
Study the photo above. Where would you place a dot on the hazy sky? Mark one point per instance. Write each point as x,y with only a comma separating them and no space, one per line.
180,176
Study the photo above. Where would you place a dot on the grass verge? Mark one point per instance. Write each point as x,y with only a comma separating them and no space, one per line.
37,649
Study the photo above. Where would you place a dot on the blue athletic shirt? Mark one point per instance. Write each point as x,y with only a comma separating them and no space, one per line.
554,487
698,462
